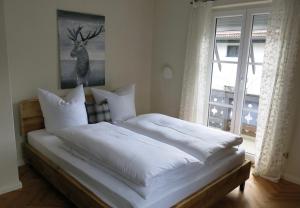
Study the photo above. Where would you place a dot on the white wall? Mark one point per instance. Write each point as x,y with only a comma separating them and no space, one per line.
292,171
8,159
32,46
169,46
292,168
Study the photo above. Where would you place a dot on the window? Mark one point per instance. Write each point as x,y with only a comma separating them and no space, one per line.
232,51
238,52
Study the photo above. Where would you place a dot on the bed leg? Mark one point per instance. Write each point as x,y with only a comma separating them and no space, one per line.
242,187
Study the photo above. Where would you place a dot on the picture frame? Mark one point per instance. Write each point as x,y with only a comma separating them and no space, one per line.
81,40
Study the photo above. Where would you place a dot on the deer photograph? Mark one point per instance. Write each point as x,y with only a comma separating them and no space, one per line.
81,43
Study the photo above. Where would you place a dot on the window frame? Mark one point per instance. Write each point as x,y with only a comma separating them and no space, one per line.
247,15
236,48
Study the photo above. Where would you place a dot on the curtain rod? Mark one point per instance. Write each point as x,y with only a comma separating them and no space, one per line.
195,1
233,4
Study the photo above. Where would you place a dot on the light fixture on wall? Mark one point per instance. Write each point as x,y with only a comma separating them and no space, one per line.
167,72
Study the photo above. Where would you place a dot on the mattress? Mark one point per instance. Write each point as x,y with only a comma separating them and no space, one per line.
115,192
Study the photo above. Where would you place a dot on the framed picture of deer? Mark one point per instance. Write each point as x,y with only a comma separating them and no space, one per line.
81,49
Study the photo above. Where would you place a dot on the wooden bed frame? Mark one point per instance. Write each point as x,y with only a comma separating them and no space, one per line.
31,119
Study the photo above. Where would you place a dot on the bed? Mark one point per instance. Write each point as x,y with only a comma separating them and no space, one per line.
87,186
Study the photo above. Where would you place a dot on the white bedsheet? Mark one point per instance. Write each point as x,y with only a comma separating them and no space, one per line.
116,193
135,157
198,140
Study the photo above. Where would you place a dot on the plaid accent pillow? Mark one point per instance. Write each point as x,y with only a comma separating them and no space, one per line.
98,112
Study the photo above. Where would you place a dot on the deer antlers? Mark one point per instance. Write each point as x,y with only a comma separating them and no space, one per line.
92,35
73,34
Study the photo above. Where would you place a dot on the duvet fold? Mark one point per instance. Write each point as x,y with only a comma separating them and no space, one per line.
134,157
198,140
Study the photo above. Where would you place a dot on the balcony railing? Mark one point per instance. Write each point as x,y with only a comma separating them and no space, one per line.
220,111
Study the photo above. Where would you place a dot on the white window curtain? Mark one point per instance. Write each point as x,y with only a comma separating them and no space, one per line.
195,81
277,101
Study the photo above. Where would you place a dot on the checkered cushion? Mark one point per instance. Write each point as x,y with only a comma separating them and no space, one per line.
98,112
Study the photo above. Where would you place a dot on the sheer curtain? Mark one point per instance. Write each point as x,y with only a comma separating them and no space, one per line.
195,81
276,104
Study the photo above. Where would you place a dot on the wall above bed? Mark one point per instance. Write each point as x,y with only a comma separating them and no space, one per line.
32,47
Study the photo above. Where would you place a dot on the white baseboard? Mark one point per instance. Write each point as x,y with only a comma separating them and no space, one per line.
291,178
13,187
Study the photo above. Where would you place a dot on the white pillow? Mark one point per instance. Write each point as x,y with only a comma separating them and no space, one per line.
61,113
121,102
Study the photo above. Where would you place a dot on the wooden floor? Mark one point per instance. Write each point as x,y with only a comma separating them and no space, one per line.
259,193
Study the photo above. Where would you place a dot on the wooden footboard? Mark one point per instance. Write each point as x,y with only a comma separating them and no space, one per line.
83,197
71,188
219,188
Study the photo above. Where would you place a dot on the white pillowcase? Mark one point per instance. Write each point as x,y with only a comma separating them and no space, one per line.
121,102
61,113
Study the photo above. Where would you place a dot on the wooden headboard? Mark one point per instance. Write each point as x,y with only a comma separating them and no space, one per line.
31,117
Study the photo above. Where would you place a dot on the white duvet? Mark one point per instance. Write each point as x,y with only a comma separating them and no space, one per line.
134,157
198,140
